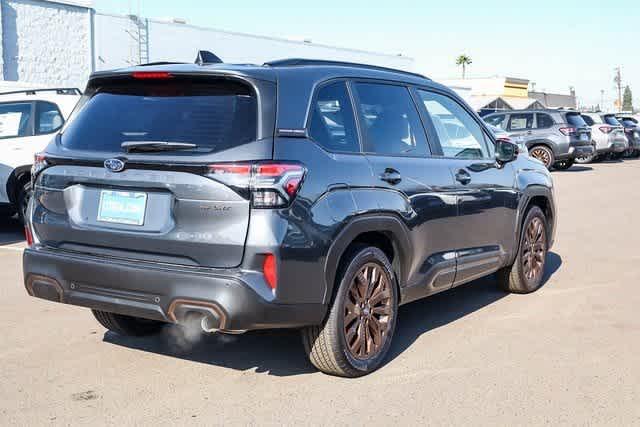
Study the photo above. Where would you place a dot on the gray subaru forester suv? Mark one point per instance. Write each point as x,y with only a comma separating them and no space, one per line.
555,137
295,194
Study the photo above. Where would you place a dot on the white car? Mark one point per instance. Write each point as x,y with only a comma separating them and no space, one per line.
28,121
607,135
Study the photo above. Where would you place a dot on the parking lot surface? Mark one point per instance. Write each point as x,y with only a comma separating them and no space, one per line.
568,354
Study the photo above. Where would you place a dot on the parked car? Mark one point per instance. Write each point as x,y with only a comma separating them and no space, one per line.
500,134
297,194
607,135
632,131
555,137
28,120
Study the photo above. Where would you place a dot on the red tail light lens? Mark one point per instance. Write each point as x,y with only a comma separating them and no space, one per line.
270,185
151,75
606,129
28,236
39,164
568,131
269,269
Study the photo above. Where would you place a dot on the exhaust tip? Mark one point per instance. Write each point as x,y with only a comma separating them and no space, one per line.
44,287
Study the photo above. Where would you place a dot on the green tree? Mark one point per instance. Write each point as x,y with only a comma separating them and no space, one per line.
463,61
627,99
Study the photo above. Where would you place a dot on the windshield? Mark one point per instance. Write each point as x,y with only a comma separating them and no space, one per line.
209,117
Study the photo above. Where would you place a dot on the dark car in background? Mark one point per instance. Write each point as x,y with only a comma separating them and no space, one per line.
632,131
555,137
295,194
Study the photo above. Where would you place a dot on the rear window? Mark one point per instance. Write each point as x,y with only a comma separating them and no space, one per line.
588,120
629,122
215,116
611,120
576,120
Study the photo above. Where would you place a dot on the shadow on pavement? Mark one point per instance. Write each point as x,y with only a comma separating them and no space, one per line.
11,231
575,169
280,352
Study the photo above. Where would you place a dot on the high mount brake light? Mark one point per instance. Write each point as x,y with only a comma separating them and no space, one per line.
271,185
151,75
568,131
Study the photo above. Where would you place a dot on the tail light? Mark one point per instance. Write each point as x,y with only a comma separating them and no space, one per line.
270,185
606,129
568,131
39,164
151,75
28,236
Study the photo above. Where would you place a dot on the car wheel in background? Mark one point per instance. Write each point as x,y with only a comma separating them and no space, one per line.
544,154
356,335
628,153
616,156
526,273
22,200
563,165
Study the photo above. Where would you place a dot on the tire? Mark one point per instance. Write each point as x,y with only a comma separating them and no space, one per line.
330,347
616,156
563,165
516,278
628,153
544,154
126,325
22,200
586,160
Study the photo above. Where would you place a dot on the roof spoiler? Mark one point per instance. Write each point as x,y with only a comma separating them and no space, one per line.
205,57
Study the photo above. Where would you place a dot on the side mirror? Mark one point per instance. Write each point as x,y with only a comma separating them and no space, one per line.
506,151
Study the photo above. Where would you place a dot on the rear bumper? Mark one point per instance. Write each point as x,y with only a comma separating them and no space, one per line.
160,292
577,151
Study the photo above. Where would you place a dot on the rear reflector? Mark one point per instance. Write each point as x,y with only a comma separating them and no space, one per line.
28,236
269,270
151,75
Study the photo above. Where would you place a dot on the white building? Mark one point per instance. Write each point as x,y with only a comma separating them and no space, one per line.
60,42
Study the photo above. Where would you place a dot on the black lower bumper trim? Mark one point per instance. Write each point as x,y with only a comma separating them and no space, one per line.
158,293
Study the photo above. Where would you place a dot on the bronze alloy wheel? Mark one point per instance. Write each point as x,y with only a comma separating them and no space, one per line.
367,312
542,155
534,248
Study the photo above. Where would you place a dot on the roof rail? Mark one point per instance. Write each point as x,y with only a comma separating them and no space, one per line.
301,61
59,91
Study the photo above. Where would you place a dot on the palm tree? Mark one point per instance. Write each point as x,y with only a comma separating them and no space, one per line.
464,60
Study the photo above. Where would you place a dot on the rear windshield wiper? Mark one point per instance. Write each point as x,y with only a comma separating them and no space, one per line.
130,146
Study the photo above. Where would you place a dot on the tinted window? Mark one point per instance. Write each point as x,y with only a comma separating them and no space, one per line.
459,134
521,121
588,120
544,121
214,115
390,120
48,118
629,122
14,119
576,120
332,122
497,121
611,120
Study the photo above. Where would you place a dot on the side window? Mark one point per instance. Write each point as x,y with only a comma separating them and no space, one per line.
48,118
522,121
497,121
15,120
459,133
390,120
544,121
332,122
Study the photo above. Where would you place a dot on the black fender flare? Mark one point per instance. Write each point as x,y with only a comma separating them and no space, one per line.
388,224
16,177
528,194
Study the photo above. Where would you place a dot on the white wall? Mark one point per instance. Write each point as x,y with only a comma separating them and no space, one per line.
46,42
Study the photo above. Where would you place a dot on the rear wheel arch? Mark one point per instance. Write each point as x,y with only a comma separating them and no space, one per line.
16,182
535,196
386,232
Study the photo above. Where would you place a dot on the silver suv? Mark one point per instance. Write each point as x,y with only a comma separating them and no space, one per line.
608,136
555,137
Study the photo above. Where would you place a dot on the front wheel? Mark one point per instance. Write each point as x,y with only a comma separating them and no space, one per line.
563,165
356,335
526,273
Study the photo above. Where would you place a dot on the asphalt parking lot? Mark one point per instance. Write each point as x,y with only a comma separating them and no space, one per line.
568,354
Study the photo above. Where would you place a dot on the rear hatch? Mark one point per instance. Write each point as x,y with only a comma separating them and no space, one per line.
130,175
578,131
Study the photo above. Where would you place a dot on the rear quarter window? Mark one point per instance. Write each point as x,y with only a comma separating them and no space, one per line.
214,115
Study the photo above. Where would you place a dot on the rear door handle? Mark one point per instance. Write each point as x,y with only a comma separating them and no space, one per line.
391,176
463,177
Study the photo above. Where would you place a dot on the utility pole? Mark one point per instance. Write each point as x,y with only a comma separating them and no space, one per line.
618,81
601,99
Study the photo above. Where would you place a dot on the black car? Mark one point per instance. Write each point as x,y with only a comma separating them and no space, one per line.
296,194
632,131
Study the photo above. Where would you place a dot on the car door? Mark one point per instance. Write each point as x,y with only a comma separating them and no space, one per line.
486,193
415,185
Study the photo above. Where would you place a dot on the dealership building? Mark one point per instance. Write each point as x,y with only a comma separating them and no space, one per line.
47,43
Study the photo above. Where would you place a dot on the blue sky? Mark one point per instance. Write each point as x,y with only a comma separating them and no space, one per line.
556,44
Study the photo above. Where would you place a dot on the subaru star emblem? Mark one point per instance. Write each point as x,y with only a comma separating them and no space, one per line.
114,165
